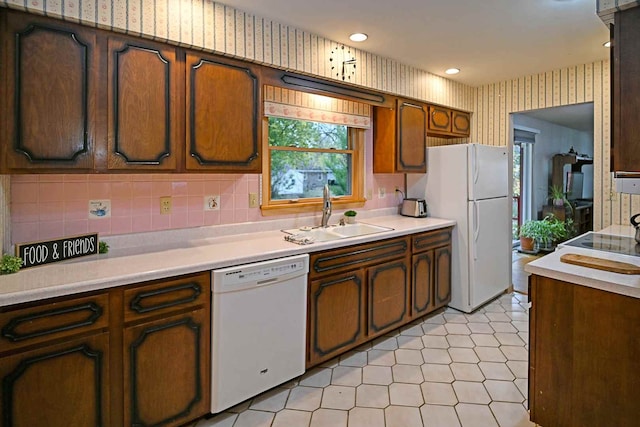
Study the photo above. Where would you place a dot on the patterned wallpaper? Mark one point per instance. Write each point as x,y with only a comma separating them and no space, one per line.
573,85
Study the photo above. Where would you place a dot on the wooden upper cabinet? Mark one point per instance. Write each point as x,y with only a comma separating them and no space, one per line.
50,97
625,144
222,109
144,119
448,123
399,138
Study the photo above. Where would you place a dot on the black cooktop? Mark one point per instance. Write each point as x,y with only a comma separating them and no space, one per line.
607,243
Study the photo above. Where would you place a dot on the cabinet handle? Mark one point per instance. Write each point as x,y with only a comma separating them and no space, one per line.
411,105
137,302
10,333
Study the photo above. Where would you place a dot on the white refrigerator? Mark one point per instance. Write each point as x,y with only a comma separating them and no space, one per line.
470,184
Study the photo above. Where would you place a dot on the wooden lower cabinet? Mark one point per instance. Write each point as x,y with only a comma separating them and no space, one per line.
166,370
336,315
388,296
57,385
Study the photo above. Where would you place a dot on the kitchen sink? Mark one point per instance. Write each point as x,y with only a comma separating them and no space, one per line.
335,232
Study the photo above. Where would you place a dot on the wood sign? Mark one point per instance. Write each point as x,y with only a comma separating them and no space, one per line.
49,251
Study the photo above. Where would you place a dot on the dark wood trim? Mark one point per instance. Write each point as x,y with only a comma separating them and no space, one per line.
137,303
417,259
196,329
8,330
444,251
318,86
18,122
401,249
167,95
432,239
372,278
9,380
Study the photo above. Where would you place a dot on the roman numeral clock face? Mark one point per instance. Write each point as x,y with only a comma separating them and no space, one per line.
343,64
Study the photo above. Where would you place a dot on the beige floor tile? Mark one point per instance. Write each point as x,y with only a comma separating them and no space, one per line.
514,352
511,415
413,330
338,397
521,326
381,357
304,398
485,340
226,419
475,415
355,358
346,375
439,416
435,341
316,377
471,392
410,342
372,396
496,371
434,355
518,315
490,354
523,386
271,401
289,418
524,336
466,372
329,418
480,328
434,329
251,418
462,341
402,416
240,407
503,327
519,368
465,355
380,375
477,318
437,319
437,373
330,363
366,417
438,393
503,391
409,357
407,374
455,318
498,316
509,338
494,307
457,328
405,395
385,343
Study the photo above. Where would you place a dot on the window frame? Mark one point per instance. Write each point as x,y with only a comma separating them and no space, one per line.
356,137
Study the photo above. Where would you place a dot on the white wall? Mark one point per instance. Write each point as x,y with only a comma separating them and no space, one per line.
552,139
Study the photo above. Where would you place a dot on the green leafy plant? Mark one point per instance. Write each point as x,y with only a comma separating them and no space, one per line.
350,213
10,264
548,230
103,247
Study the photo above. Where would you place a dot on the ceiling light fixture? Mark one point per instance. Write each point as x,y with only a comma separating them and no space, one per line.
358,37
607,44
452,71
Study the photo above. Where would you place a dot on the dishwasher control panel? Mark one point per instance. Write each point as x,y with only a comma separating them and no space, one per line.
263,271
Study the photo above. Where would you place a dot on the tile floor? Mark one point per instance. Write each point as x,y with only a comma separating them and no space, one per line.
449,369
519,277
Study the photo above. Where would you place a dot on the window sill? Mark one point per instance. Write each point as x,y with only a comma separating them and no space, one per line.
304,207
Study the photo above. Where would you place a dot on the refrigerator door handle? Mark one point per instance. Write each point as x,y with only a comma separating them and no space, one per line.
476,169
476,229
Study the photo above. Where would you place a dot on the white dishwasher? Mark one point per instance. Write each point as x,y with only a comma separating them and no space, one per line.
259,314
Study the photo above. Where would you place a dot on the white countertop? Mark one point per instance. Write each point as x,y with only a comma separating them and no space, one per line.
179,252
624,284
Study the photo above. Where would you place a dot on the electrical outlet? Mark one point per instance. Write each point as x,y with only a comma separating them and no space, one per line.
212,203
253,200
382,193
165,205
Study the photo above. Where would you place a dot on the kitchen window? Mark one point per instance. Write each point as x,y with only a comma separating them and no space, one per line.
302,154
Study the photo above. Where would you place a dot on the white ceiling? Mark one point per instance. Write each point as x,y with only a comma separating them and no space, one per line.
578,117
489,40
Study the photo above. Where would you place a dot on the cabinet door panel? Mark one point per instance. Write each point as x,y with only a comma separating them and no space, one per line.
460,123
222,116
336,315
59,385
167,354
422,284
412,141
144,123
439,119
442,276
51,73
388,296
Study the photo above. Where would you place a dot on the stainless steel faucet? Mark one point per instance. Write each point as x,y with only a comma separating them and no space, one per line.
326,205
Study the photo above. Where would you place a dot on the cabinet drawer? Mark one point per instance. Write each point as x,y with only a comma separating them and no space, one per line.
162,296
352,257
431,239
52,320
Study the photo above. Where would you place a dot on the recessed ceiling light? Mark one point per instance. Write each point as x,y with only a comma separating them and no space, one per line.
358,37
452,71
606,44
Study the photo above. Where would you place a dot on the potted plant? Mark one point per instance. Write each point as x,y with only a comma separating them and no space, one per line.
558,196
350,216
528,234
